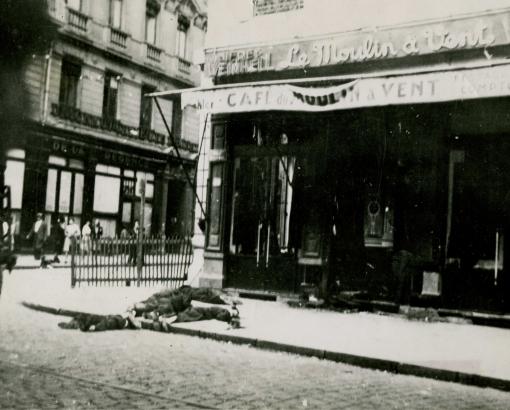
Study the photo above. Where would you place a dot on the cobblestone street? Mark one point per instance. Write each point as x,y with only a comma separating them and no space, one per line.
43,366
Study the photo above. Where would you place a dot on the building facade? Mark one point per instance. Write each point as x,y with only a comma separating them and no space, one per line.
358,146
90,136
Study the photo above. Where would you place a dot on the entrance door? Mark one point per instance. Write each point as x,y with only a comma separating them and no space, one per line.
261,252
478,223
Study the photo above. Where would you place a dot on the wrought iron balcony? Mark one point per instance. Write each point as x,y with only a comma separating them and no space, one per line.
113,125
76,19
118,37
184,66
153,53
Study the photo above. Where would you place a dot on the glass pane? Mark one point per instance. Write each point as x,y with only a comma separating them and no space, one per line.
76,163
215,204
14,177
102,168
78,193
64,200
129,173
51,190
57,160
113,170
149,190
109,227
107,169
106,194
248,205
116,13
16,153
147,220
126,212
150,30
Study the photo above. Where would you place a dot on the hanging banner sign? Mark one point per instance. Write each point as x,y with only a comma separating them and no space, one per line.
368,92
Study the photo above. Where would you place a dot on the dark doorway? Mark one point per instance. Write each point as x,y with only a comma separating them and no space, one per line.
179,209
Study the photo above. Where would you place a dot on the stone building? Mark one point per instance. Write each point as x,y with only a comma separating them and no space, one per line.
360,146
90,135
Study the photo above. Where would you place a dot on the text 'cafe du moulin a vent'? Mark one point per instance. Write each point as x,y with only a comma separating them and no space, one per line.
372,162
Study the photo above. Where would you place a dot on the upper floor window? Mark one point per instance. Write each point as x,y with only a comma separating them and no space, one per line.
146,108
116,13
182,30
70,78
74,4
111,86
151,14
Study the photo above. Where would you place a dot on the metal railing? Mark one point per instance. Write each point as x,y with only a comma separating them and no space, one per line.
183,65
77,19
153,53
118,37
115,261
112,125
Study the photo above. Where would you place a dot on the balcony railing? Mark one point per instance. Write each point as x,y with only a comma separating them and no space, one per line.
76,19
112,125
184,66
153,53
118,37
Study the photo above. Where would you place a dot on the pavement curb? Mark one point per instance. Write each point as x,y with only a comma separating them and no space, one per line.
390,366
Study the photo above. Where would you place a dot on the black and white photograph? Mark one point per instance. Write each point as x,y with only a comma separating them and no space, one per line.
254,204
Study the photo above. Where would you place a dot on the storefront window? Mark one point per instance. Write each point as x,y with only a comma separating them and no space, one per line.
215,205
149,183
106,194
126,212
78,193
117,193
14,176
64,187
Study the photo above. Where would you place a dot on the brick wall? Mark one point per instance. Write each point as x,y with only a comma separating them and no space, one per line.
262,7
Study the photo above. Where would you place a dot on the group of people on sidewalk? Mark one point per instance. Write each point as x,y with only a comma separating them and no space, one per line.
63,235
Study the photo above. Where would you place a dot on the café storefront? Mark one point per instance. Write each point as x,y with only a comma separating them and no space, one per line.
66,175
389,175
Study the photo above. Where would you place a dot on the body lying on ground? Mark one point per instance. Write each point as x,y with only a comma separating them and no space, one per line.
160,310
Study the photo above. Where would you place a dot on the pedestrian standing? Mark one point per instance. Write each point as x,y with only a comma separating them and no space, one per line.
134,241
72,231
97,234
86,233
39,232
59,236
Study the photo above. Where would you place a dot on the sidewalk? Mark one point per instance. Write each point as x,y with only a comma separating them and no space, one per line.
29,262
462,353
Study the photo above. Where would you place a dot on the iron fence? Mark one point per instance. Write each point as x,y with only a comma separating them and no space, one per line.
117,261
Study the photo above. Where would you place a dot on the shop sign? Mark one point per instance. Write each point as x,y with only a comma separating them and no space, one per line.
412,89
112,157
466,33
67,148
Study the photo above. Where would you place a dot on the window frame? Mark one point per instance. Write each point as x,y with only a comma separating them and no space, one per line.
107,96
112,19
146,123
70,76
218,245
154,38
72,194
181,37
